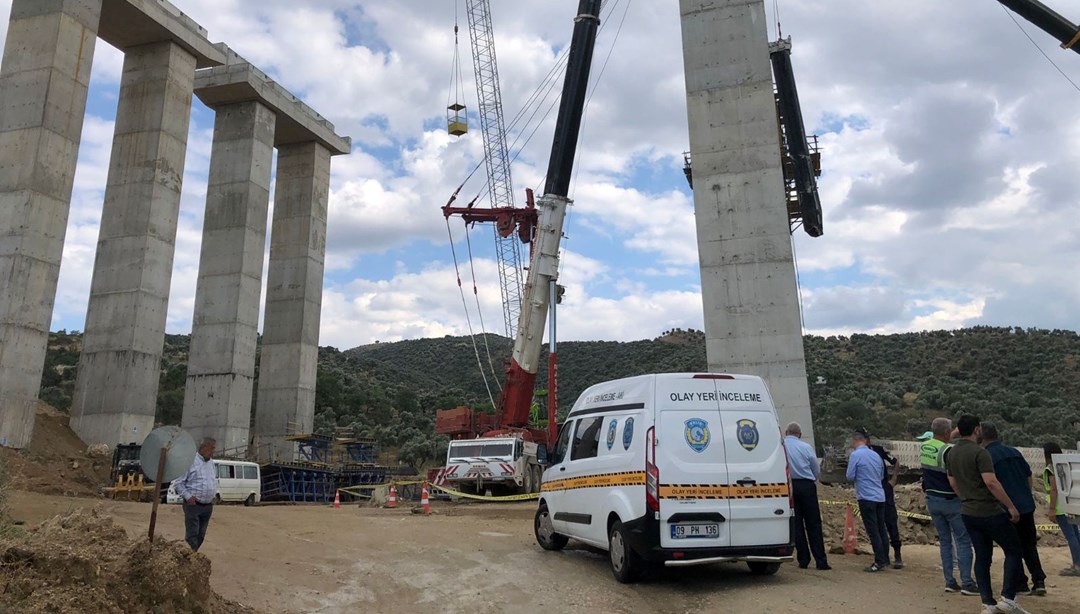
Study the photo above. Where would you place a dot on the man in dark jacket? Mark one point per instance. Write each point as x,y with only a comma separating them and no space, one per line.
1014,473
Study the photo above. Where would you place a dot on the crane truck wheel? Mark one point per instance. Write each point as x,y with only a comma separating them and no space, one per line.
626,565
538,477
545,532
527,480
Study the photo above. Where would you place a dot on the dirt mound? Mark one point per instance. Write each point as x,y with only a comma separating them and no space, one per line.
83,562
909,498
56,462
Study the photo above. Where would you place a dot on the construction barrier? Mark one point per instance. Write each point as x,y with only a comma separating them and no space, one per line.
465,495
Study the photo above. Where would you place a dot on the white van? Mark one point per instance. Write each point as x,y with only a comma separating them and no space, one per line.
672,469
236,481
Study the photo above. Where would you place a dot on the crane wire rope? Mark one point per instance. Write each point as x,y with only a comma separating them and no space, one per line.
468,320
480,312
1040,49
457,84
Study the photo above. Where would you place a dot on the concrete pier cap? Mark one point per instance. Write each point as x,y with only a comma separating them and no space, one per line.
131,23
239,81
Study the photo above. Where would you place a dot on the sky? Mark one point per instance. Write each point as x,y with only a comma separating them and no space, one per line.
950,187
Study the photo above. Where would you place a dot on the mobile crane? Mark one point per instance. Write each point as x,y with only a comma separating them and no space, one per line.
502,449
1047,20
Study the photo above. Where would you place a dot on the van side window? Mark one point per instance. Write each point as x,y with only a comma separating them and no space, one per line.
559,453
586,438
251,473
224,471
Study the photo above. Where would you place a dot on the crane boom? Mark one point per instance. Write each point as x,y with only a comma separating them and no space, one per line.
496,157
1048,20
542,225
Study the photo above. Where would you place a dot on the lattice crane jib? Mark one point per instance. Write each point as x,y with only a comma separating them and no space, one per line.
496,156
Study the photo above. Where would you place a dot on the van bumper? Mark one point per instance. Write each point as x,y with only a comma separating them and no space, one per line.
643,536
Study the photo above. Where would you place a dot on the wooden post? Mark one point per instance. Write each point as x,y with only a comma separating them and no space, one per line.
157,490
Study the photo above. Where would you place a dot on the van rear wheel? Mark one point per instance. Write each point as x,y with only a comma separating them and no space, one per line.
250,500
545,531
626,565
761,568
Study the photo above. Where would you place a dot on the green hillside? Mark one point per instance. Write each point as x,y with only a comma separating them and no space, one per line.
1027,380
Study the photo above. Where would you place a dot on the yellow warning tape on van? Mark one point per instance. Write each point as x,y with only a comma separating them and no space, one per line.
465,495
625,478
723,491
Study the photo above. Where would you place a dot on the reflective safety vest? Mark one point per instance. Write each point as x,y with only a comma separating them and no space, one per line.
935,473
1048,473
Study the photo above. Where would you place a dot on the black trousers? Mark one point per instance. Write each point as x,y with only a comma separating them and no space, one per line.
806,524
1025,530
892,519
196,520
985,531
873,515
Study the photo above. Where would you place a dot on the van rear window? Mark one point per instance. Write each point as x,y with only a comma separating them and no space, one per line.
481,450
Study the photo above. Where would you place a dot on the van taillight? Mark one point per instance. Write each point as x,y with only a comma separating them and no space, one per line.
652,473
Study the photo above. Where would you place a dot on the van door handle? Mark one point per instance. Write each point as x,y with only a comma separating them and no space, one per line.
746,482
562,468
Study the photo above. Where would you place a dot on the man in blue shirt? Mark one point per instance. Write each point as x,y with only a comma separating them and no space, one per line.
198,489
867,470
1014,473
806,523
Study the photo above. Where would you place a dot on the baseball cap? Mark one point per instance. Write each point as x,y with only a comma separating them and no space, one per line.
925,436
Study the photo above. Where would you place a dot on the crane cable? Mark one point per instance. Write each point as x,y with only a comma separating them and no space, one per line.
480,312
1040,49
457,84
468,320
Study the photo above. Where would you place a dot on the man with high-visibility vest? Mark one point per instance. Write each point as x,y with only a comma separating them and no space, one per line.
944,508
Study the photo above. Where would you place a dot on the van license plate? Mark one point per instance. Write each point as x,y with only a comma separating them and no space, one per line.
690,531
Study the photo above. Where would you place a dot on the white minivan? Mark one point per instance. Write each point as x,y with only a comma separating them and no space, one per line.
672,469
237,481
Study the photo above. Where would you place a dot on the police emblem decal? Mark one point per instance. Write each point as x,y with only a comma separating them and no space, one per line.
747,433
628,433
611,433
697,434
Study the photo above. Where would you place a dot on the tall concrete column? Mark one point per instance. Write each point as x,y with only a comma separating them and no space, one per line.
751,301
221,362
290,347
117,383
43,88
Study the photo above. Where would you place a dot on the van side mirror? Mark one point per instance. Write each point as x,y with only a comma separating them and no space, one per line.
542,455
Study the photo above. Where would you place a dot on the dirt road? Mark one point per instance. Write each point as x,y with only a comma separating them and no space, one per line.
482,558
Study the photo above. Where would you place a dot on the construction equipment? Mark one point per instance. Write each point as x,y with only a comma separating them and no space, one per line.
496,154
539,224
1047,20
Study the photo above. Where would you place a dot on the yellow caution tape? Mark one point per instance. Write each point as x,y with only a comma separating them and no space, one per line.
465,495
913,515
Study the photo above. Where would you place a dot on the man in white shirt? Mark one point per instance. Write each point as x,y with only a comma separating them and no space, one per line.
198,488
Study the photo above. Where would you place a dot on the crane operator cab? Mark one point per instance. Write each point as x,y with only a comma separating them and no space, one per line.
672,469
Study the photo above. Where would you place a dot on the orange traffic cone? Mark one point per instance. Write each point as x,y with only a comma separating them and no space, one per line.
851,540
391,501
424,499
337,499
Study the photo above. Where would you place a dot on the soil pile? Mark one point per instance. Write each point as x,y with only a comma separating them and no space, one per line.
909,498
83,562
56,462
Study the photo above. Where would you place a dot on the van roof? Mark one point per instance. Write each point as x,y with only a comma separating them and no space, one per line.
630,393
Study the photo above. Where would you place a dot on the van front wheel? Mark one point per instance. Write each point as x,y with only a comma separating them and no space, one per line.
545,532
761,568
250,500
626,565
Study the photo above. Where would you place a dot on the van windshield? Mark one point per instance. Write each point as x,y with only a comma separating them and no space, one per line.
480,450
